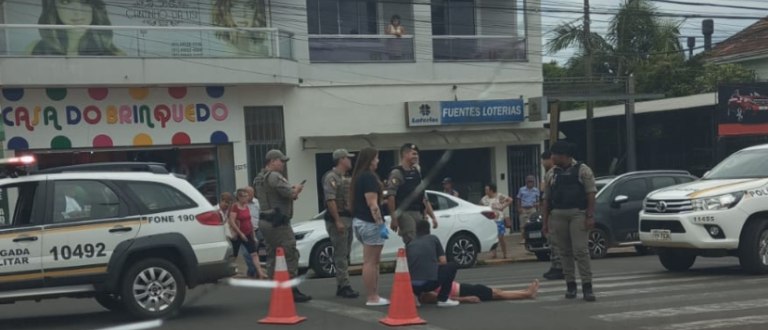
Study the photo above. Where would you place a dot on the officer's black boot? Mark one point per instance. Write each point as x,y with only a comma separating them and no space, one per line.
586,289
346,292
298,296
554,274
571,290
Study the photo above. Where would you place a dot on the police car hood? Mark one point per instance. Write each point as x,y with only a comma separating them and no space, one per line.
707,188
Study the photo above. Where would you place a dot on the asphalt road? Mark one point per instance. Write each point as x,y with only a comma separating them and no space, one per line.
634,293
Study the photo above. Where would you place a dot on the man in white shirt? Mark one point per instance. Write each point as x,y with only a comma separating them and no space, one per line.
255,209
72,208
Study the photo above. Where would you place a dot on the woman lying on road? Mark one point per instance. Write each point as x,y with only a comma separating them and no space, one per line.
475,293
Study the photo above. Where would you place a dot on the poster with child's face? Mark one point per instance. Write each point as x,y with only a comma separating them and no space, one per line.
125,28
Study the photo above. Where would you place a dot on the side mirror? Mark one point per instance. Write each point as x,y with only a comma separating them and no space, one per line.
620,199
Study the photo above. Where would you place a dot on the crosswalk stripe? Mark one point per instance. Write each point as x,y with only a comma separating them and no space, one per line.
687,310
636,291
603,304
560,283
713,324
599,286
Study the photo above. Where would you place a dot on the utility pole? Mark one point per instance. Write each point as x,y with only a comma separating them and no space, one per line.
629,113
588,69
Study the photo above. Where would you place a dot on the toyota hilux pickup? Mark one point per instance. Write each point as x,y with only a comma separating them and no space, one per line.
724,214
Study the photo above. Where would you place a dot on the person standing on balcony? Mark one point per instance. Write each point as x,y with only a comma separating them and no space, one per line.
396,50
74,41
242,14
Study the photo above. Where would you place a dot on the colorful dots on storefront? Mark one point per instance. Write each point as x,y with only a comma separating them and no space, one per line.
184,127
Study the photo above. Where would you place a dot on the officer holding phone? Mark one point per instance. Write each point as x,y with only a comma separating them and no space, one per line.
276,198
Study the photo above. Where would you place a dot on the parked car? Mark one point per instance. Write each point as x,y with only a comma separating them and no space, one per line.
617,205
722,215
465,229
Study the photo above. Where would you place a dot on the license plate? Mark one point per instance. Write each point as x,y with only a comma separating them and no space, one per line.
661,234
534,234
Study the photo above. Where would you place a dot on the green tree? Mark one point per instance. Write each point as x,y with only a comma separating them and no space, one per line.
635,35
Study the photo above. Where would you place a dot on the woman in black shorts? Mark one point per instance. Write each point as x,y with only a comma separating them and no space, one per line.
475,293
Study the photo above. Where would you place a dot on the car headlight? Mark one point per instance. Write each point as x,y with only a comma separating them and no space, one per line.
301,234
716,203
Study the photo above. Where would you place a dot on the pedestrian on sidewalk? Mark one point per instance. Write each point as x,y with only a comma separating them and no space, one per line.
556,269
254,209
240,222
527,203
429,268
569,199
406,197
368,222
499,203
338,219
448,187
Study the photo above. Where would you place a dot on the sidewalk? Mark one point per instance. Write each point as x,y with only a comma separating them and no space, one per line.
515,253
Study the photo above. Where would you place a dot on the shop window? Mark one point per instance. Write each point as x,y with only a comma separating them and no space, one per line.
156,197
265,130
83,200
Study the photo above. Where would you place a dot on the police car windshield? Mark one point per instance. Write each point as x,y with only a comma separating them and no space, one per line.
741,165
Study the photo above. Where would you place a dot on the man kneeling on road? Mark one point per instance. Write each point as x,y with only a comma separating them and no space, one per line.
475,293
428,266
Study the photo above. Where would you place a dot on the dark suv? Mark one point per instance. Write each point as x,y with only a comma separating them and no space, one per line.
619,200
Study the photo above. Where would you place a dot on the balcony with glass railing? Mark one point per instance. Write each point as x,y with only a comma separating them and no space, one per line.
27,40
488,30
360,48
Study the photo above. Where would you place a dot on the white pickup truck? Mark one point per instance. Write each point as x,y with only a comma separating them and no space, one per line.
723,214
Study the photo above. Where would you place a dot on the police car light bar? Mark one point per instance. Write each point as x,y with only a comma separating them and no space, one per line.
19,161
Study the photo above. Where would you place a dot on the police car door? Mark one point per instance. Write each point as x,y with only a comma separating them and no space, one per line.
86,219
21,235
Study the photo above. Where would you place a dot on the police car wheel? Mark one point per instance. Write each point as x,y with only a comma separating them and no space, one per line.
110,301
753,247
321,259
463,249
153,288
676,262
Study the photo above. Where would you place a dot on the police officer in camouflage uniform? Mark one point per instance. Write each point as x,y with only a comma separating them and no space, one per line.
570,198
404,195
276,198
338,219
556,270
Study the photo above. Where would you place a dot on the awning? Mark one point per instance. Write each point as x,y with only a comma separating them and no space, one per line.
429,139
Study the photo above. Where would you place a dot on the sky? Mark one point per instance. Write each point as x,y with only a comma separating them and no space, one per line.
724,28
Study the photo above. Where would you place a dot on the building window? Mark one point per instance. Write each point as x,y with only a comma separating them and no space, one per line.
264,131
342,16
453,17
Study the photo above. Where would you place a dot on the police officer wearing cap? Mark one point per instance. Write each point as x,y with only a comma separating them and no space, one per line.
276,198
556,270
407,201
338,219
569,196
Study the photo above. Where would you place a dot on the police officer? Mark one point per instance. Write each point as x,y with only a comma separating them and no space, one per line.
338,219
556,270
276,198
569,196
407,201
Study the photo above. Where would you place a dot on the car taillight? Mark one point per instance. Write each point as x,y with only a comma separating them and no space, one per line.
212,218
489,214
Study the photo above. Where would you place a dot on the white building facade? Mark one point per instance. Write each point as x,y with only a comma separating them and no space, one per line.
209,86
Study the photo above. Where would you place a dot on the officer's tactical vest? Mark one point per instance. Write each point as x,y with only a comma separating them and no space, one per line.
568,192
342,192
411,182
268,196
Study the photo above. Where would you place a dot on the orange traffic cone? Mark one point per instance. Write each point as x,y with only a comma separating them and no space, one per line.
402,306
282,309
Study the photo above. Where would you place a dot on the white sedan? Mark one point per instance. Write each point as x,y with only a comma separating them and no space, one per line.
465,229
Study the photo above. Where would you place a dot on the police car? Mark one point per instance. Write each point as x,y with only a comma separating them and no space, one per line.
723,214
130,235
